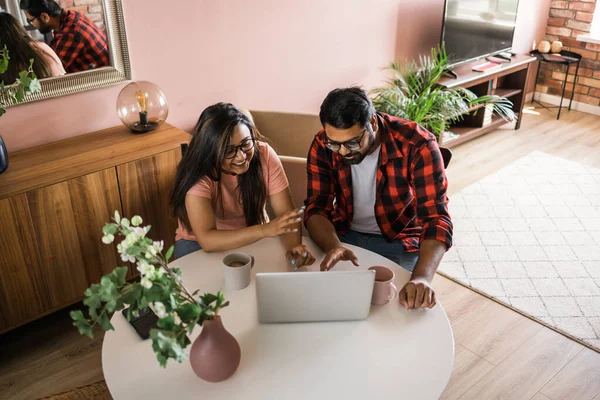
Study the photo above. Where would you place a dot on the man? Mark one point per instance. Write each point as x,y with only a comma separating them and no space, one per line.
378,182
77,41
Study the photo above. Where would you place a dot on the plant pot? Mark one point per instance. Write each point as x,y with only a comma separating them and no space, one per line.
3,156
215,354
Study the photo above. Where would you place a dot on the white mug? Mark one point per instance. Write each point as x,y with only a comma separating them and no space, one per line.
237,277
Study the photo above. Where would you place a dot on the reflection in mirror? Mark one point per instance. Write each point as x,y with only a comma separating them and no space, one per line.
61,36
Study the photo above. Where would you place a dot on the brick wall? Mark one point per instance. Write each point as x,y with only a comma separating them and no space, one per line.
567,20
91,8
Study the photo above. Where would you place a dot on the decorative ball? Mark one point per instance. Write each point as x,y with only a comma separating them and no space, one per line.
544,46
142,106
556,46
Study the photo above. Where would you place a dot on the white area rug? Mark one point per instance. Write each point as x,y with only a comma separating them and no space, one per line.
529,237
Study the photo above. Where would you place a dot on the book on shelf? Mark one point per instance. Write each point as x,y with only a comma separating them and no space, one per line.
487,66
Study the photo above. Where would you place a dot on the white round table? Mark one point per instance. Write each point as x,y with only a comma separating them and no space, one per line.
393,354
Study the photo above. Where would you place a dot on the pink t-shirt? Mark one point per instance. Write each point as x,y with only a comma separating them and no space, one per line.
231,216
54,63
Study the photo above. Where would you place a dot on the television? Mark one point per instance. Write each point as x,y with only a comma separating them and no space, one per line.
475,29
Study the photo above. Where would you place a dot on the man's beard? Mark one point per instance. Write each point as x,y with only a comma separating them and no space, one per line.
44,29
357,155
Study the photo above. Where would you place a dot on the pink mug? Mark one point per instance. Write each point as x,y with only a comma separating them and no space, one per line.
384,289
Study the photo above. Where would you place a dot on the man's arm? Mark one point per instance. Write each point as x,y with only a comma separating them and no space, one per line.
67,47
430,185
319,206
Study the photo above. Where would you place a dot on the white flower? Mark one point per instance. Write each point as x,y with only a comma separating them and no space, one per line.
158,246
159,309
131,259
120,248
139,232
148,255
177,319
124,257
146,270
131,239
125,223
136,220
158,273
146,283
107,239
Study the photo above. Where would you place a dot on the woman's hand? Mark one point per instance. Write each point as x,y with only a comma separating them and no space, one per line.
283,224
299,256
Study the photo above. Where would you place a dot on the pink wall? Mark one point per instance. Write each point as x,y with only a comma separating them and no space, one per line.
282,55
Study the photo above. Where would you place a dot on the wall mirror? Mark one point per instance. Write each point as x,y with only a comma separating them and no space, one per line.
76,45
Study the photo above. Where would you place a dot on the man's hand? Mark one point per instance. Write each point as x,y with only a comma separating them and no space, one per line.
336,254
417,293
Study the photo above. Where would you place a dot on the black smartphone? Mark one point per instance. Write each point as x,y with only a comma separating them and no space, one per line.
142,323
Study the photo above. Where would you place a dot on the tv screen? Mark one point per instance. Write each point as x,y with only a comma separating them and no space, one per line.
478,28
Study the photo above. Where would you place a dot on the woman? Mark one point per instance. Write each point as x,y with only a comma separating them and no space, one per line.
21,49
222,185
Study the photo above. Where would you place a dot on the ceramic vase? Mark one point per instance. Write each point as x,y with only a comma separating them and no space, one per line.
215,354
3,156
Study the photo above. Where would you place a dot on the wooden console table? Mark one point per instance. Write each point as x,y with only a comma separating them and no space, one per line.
512,80
54,201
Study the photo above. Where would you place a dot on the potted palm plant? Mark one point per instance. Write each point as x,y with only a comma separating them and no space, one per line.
15,93
414,94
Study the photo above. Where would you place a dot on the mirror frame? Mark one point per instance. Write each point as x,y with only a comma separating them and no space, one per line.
119,71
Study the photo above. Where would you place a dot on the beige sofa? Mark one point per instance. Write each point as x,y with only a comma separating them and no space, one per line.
291,136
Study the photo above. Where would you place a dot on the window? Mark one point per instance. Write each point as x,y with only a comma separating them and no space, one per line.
594,35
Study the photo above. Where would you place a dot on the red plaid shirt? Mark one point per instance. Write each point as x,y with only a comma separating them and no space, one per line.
411,203
79,43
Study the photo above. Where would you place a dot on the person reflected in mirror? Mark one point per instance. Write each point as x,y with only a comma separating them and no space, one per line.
378,182
77,41
222,185
22,48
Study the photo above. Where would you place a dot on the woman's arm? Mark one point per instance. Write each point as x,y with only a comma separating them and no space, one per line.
281,203
297,254
202,219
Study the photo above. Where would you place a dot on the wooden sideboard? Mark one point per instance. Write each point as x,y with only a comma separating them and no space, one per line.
54,201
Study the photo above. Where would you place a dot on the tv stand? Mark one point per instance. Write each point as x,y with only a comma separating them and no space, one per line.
509,80
451,73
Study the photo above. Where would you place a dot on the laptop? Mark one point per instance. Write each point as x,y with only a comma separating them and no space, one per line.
314,296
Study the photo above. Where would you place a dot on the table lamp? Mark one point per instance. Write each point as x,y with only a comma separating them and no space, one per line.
142,106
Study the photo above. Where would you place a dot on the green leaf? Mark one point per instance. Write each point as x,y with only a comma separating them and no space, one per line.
105,322
2,111
133,295
165,345
166,323
108,290
189,312
169,253
83,325
119,275
109,229
117,217
20,94
93,299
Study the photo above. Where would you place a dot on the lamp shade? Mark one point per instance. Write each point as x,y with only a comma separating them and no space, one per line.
142,106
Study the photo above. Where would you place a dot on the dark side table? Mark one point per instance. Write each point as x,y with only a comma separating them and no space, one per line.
566,58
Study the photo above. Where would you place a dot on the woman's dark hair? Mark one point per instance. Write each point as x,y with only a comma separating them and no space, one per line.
20,50
204,158
343,108
37,7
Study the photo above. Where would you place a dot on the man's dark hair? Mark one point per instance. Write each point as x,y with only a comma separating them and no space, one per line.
37,7
343,108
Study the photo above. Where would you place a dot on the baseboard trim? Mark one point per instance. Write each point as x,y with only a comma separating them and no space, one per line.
555,100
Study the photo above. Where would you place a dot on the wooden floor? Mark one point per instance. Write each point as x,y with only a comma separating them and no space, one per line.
500,354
